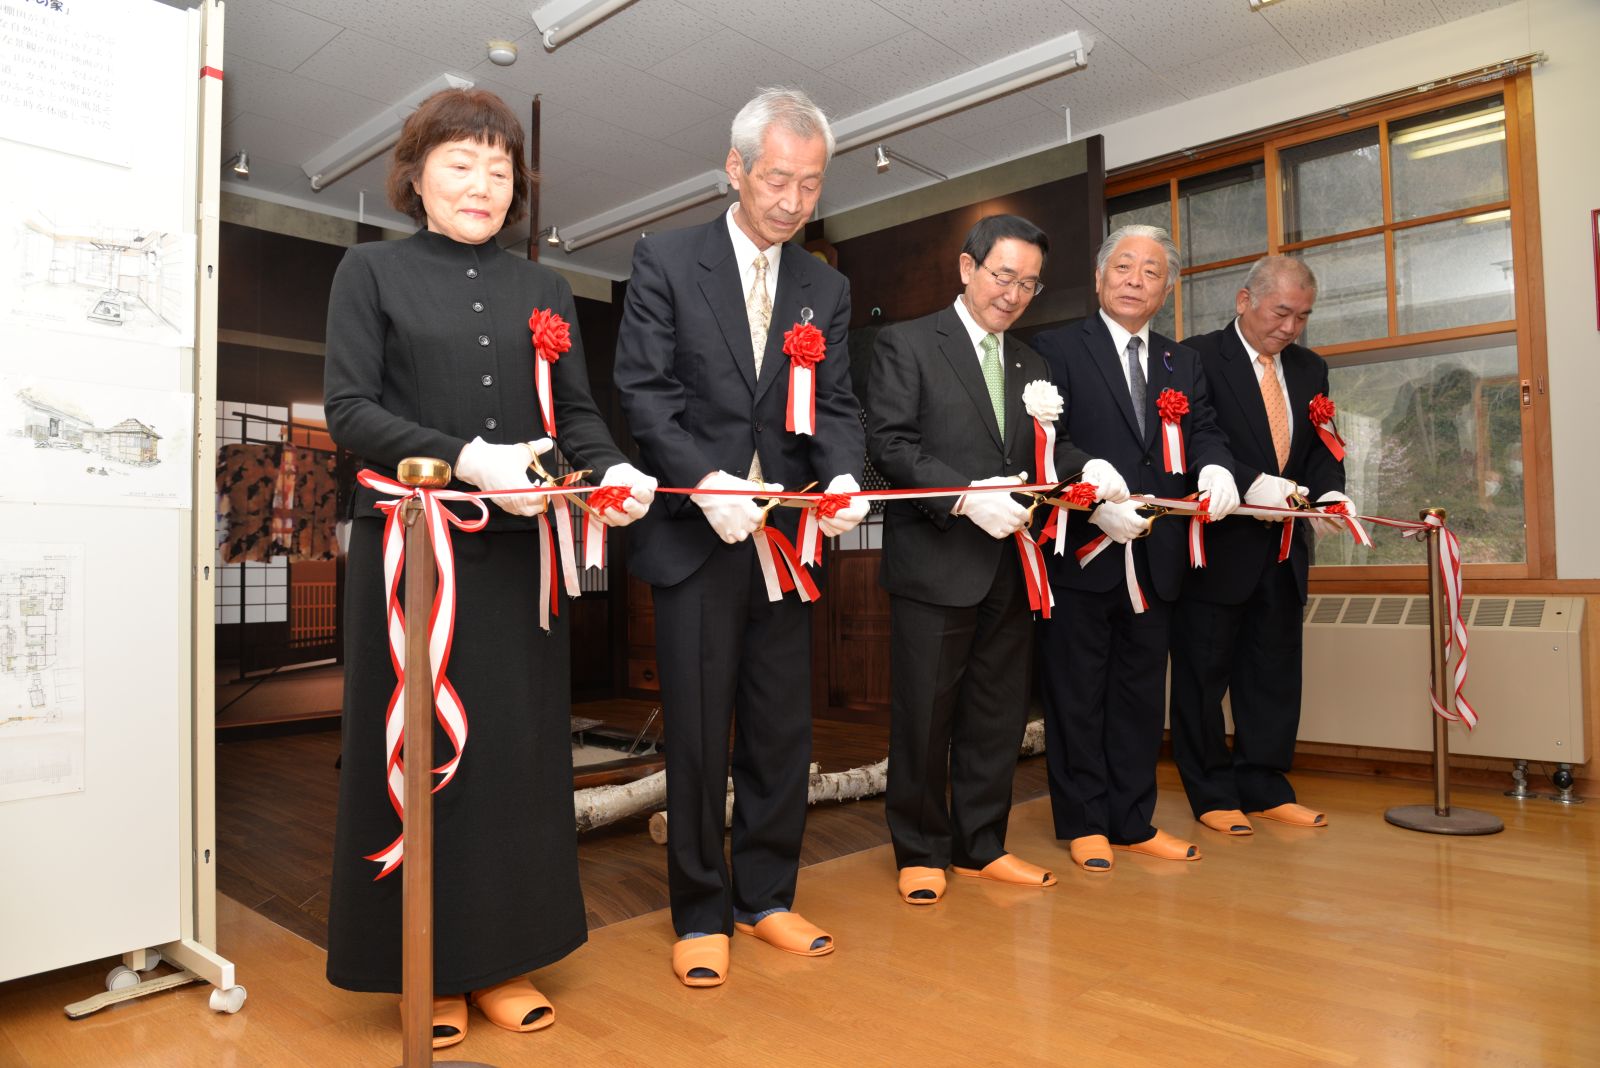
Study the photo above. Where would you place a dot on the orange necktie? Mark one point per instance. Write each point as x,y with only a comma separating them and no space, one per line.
1277,414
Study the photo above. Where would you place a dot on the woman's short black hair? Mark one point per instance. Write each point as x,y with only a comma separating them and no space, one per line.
457,115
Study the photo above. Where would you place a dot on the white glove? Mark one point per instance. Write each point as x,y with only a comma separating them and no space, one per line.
733,518
1329,498
641,491
1111,485
1120,520
502,467
1270,491
997,514
1216,485
845,518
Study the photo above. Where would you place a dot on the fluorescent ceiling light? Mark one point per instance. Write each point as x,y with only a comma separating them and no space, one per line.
562,20
636,213
1257,5
1439,129
374,137
1048,59
1488,137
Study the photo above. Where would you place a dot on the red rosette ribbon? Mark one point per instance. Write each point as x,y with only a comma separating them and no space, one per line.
605,499
1080,494
1172,407
806,347
551,337
1358,533
810,537
1322,412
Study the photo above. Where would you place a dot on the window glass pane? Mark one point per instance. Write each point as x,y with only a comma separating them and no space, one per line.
1209,298
1165,321
1454,273
1148,207
1223,215
1449,159
1433,431
1352,303
1332,186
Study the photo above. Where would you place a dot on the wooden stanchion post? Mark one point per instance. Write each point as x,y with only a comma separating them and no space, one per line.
416,872
1439,818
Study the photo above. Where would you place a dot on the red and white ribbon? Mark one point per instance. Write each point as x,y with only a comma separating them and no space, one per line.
602,500
806,347
781,566
1197,539
1097,545
1041,598
551,337
1456,629
1322,412
452,716
1172,406
1044,449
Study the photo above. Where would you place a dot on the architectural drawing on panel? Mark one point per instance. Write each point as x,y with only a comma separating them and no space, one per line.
124,281
41,699
85,442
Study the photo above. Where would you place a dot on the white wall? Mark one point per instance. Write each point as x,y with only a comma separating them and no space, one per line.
1566,105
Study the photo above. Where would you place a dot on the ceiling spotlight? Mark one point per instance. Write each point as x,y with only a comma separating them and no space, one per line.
502,53
552,236
240,163
882,160
885,154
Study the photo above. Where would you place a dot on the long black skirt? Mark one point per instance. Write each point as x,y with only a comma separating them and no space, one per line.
506,893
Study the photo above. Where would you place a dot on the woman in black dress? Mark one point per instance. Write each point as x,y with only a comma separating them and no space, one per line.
429,353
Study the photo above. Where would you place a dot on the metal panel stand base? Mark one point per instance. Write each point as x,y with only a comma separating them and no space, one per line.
1454,821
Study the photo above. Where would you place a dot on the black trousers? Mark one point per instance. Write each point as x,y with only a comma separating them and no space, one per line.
729,657
960,702
1251,652
1102,673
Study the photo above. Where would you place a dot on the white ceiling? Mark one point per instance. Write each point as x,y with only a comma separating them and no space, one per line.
644,99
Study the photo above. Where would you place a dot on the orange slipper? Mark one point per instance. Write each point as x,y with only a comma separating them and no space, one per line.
1092,852
1228,821
449,1019
1165,847
709,952
1294,815
925,881
790,932
1010,868
515,1005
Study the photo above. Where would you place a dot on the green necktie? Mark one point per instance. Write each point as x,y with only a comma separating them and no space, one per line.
995,376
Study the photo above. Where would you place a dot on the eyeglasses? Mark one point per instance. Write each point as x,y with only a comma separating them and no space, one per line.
1029,287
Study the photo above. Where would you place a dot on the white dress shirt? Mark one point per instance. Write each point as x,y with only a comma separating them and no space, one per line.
1277,369
745,253
1119,338
975,333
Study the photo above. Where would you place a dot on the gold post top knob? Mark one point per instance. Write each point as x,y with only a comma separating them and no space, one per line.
1426,512
424,471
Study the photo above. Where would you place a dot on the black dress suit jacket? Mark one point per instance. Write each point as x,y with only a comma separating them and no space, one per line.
686,376
1240,549
930,423
428,347
1099,418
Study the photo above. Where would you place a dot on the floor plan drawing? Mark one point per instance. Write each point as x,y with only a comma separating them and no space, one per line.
41,670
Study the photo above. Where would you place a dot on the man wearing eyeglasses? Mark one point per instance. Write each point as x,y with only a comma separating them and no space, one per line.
945,408
1103,654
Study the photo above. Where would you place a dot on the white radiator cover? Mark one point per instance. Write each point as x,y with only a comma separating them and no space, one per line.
1366,675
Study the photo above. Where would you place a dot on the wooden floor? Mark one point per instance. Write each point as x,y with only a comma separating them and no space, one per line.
276,798
1361,944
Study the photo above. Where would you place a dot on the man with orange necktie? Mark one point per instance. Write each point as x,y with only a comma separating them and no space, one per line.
1237,626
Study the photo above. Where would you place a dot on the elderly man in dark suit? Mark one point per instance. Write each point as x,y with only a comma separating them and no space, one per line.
1238,623
946,407
703,370
1103,655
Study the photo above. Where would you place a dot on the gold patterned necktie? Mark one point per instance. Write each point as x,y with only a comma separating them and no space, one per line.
995,377
1277,412
758,308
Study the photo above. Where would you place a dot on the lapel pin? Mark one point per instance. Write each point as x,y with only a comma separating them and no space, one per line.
805,316
1166,359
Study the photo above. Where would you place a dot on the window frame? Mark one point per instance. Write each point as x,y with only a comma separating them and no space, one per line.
1527,328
